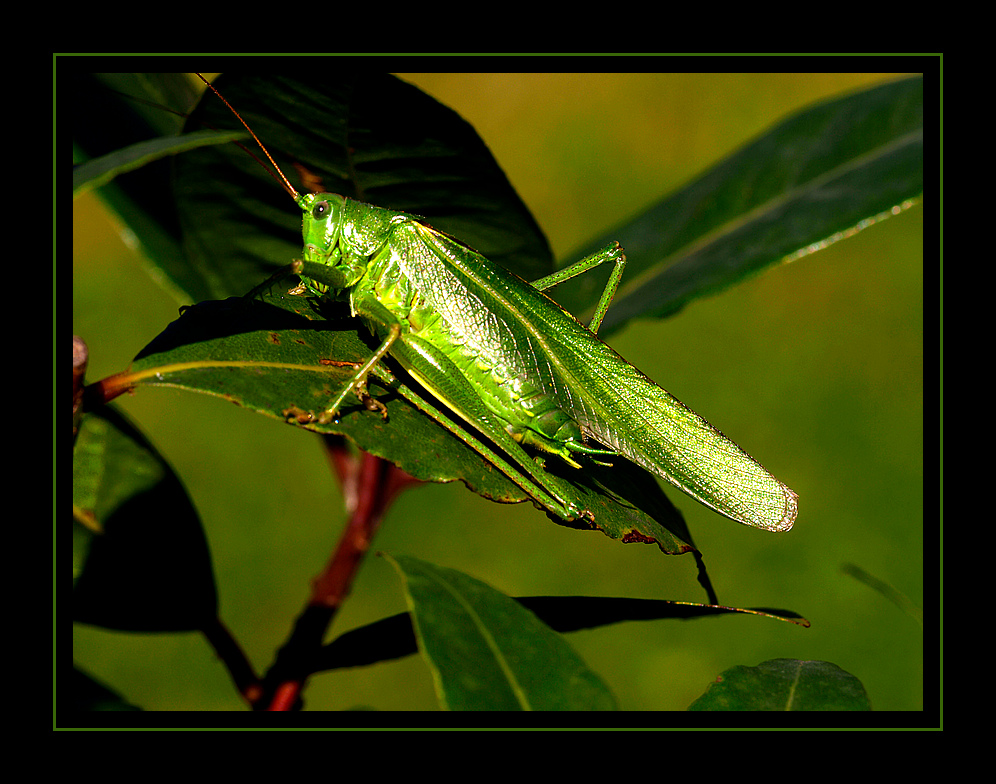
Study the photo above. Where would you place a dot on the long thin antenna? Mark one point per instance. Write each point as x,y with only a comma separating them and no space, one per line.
286,183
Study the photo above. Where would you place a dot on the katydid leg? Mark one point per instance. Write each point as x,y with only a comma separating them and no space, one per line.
285,271
611,252
358,382
437,373
564,509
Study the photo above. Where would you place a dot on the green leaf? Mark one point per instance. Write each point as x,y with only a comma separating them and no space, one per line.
784,685
150,569
272,356
101,171
338,126
267,356
487,652
889,592
367,136
394,637
113,111
815,178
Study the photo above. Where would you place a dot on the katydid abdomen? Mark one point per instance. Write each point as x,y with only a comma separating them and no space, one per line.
444,311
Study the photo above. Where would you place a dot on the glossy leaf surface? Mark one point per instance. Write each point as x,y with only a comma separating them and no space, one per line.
283,356
814,178
487,652
785,685
370,137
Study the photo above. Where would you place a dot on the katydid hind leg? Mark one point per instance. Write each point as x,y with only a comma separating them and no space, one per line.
612,252
562,509
436,372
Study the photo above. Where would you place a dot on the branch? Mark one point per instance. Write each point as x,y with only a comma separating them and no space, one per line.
376,483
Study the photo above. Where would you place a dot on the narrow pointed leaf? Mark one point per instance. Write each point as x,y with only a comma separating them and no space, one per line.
106,117
394,637
817,177
98,172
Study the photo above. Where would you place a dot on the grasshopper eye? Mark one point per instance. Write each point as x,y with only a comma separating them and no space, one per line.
319,210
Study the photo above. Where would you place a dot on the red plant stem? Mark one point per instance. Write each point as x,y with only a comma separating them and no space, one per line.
377,483
332,586
343,461
81,356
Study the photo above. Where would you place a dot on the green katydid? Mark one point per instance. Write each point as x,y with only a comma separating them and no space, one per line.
498,353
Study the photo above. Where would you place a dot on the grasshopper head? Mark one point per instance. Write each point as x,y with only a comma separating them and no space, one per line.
323,214
323,221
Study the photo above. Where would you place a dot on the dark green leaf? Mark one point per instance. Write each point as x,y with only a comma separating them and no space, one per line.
101,171
271,355
784,685
367,136
487,652
813,179
150,569
393,637
106,117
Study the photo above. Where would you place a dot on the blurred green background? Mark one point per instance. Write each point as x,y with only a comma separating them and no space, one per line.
814,367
